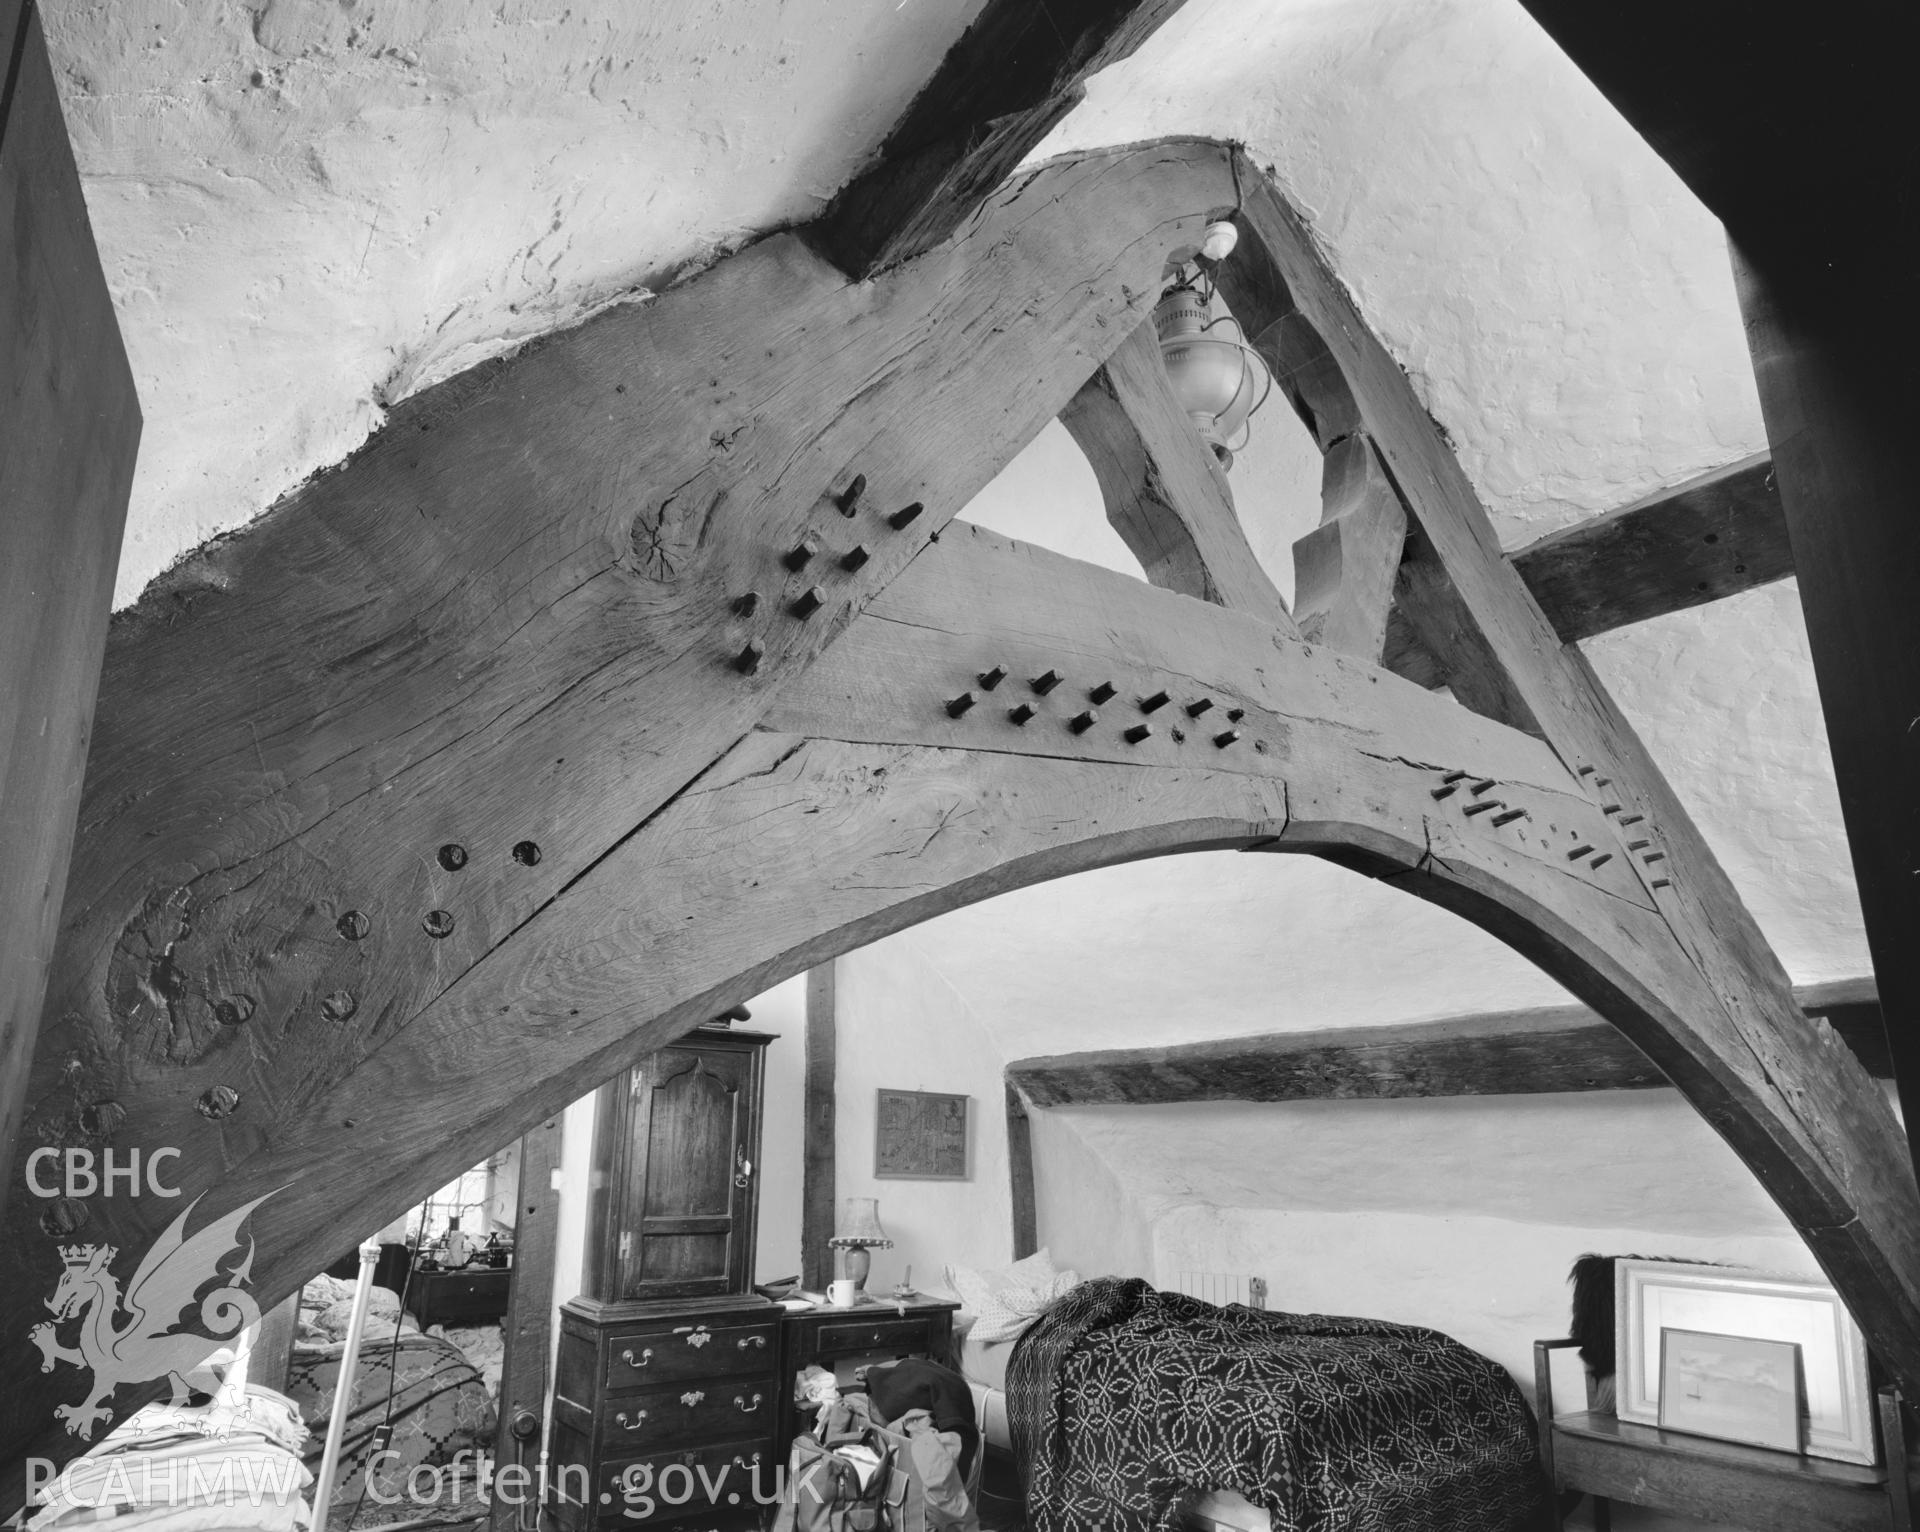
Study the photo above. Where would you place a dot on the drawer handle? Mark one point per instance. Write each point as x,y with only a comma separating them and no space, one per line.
631,1360
752,1462
639,1419
693,1397
743,1407
751,1340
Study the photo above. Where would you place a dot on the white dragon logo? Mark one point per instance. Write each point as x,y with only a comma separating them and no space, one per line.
147,1346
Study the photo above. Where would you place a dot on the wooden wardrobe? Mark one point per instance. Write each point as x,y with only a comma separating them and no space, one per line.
668,1359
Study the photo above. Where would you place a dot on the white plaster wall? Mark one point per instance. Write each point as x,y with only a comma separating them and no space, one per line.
1606,1159
1561,300
308,209
1491,1283
1083,1213
902,1026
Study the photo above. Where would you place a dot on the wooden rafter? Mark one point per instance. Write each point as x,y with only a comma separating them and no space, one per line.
432,725
1748,1003
1013,75
1562,1048
1832,319
677,679
1712,537
1165,493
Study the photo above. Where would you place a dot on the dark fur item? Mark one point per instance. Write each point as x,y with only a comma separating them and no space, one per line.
1592,1322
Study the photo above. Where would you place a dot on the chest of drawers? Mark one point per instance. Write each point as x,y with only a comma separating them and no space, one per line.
665,1416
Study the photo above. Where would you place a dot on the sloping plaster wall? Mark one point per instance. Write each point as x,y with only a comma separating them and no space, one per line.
309,209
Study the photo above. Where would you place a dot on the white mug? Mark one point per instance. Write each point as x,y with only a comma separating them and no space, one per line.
841,1293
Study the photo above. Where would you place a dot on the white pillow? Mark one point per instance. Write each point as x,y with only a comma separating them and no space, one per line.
1004,1302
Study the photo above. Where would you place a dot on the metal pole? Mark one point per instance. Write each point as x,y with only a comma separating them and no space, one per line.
343,1391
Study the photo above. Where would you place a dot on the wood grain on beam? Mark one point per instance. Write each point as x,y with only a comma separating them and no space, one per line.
1026,1225
1344,568
1562,1048
431,725
1001,89
1164,490
794,848
1832,318
69,431
528,1327
818,1127
1856,1200
1701,541
1445,628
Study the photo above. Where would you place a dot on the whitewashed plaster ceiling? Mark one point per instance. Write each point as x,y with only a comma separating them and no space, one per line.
308,209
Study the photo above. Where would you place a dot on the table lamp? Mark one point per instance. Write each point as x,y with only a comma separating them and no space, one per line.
859,1232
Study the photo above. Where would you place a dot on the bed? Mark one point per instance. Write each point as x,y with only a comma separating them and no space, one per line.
441,1404
1137,1409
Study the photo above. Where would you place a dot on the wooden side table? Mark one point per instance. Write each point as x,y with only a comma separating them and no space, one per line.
1613,1459
873,1331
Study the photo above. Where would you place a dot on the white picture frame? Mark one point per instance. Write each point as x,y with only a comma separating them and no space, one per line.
1650,1296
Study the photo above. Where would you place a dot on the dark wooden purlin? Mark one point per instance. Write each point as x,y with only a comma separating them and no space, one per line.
69,432
417,720
1832,311
1026,1221
818,1126
1509,1053
528,1328
1164,491
1016,71
1709,538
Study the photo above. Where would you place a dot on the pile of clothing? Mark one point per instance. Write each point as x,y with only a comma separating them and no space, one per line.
902,1457
215,1467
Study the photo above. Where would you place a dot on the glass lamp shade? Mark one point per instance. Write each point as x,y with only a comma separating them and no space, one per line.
860,1223
1217,378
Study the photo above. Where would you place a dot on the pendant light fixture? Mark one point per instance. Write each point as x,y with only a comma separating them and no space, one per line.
1218,379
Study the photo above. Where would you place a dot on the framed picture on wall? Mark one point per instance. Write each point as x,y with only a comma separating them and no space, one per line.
921,1135
1652,1296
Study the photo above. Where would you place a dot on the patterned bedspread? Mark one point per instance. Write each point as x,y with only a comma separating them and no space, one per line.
439,1408
1120,1398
